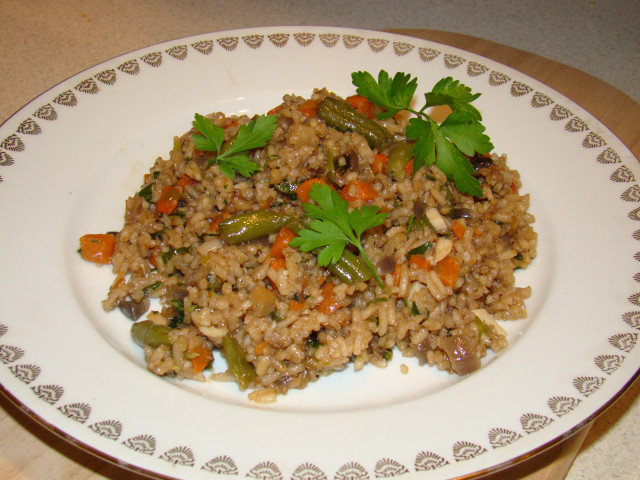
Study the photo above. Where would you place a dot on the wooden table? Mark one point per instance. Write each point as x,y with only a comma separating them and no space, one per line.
28,451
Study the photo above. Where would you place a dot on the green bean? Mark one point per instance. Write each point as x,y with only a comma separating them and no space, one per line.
251,225
147,333
350,269
341,116
239,367
298,223
398,159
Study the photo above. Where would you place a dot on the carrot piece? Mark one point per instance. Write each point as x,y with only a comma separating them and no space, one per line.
361,104
421,262
514,188
458,229
328,305
358,190
168,200
275,110
379,164
282,241
278,263
97,247
303,189
408,168
218,220
296,305
309,108
448,270
397,272
260,348
184,181
232,123
265,204
203,357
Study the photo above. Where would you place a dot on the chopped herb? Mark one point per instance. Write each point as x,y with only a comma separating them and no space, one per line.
377,300
176,320
419,250
287,188
166,256
234,159
152,287
214,282
334,226
145,193
313,340
178,305
387,354
276,316
414,309
482,327
419,223
447,144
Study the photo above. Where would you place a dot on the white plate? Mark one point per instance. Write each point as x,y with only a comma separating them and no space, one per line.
71,157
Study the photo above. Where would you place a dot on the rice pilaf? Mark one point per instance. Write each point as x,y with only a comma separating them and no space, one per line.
446,260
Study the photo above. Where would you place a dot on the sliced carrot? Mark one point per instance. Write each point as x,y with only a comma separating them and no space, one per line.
309,108
361,104
421,262
260,348
303,189
448,270
296,305
278,264
265,204
97,247
328,305
168,200
203,357
282,241
275,110
358,190
458,229
408,168
379,164
184,181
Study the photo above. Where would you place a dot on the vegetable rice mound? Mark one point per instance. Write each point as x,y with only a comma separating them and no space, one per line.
228,280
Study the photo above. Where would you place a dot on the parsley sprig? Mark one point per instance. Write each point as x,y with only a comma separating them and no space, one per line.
447,144
334,226
255,134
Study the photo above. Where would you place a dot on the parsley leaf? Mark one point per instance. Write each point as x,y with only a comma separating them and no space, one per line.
255,134
448,144
392,95
333,226
454,94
